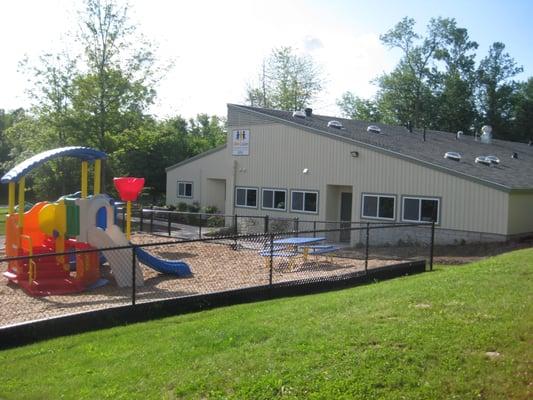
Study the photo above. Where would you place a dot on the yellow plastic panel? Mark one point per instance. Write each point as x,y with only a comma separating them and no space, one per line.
47,219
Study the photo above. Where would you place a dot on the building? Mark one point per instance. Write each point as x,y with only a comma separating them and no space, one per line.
288,164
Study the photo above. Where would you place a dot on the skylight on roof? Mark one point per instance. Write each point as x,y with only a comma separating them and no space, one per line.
493,159
298,114
373,129
334,124
452,155
483,160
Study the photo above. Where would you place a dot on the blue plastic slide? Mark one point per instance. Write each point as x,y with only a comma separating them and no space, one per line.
178,268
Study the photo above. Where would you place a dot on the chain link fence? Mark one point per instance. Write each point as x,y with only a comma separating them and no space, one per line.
213,259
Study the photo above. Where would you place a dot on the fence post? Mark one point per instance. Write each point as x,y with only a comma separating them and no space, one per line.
133,277
266,223
235,224
297,225
152,220
314,228
169,222
271,263
366,245
199,231
432,246
141,220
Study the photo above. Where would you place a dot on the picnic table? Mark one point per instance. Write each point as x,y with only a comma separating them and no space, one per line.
294,247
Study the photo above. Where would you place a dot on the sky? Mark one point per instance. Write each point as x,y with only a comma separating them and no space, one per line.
217,47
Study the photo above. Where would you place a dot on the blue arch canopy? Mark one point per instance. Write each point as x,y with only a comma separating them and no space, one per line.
20,170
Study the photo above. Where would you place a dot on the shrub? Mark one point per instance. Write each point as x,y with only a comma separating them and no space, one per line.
211,210
215,221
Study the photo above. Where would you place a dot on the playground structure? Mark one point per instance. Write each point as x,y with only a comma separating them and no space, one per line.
71,224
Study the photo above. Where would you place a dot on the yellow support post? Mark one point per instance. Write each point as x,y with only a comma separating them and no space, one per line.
128,220
97,176
12,198
84,179
22,183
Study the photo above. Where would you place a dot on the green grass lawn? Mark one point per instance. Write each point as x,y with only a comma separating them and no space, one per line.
420,337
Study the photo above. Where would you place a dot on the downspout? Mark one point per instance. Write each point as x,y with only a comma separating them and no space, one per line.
235,166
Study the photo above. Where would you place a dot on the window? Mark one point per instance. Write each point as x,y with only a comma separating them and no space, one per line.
184,189
378,206
246,197
420,209
274,199
302,201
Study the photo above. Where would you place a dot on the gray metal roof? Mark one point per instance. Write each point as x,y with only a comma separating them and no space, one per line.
510,174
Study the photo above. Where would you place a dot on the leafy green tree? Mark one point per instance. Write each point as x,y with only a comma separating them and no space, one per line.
497,89
523,112
406,91
456,84
359,109
287,81
119,84
210,129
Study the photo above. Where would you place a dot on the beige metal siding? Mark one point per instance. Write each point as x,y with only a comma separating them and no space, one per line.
213,166
520,213
279,154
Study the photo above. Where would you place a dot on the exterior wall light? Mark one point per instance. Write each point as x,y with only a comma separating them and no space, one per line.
354,153
305,171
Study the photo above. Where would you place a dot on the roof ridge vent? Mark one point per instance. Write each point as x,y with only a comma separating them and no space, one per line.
452,155
373,129
298,114
334,124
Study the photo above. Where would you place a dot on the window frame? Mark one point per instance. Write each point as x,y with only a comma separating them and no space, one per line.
420,198
184,196
256,189
274,190
304,191
378,195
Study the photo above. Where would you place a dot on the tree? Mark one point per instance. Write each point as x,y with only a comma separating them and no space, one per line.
121,74
359,109
523,112
407,90
287,81
456,84
497,89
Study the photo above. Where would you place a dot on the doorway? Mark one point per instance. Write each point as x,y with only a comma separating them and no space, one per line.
345,216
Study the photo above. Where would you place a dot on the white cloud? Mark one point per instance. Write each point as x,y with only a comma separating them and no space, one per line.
312,43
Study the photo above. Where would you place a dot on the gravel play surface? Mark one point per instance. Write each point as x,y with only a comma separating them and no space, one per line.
216,266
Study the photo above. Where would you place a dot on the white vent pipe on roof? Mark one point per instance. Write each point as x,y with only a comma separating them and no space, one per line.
486,136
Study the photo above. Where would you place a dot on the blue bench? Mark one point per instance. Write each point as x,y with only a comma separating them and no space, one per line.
302,251
316,250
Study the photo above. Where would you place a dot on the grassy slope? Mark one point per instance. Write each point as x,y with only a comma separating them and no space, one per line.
420,337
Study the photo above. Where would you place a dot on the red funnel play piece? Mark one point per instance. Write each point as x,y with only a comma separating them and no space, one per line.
129,188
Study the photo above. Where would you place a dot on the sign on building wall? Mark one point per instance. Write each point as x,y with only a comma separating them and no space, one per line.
241,142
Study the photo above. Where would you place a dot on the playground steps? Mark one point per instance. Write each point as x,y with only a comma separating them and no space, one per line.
50,279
